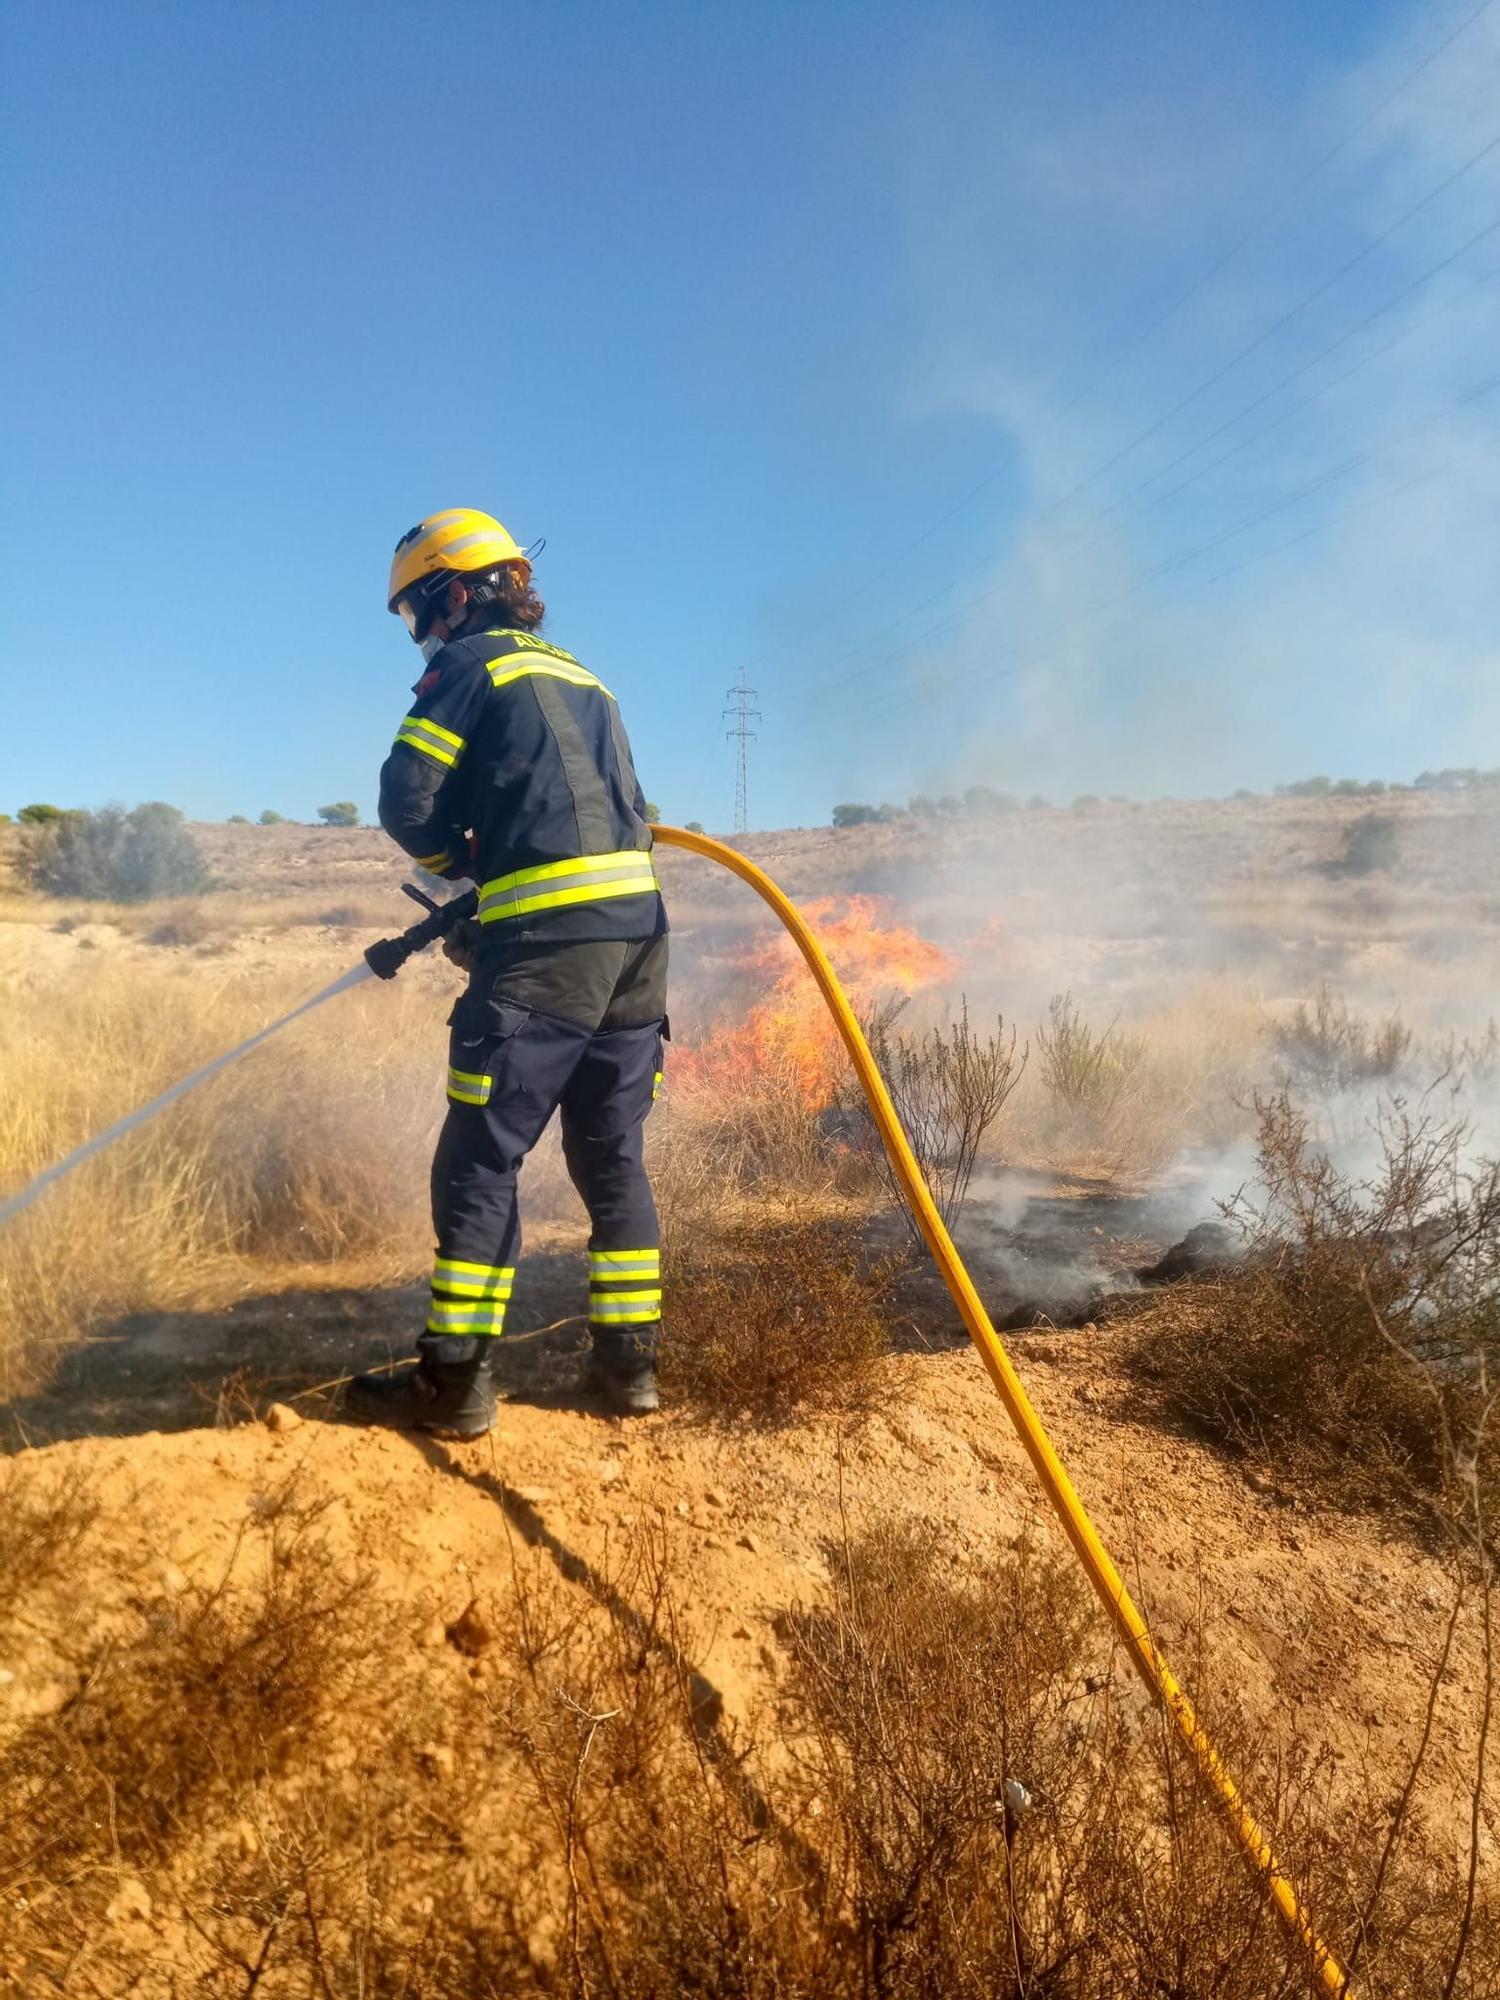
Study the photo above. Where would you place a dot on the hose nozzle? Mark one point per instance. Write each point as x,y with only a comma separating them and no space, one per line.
386,957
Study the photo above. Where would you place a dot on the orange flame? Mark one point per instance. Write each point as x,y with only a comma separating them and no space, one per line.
790,1033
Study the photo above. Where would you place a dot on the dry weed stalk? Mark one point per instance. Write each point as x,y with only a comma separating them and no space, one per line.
949,1084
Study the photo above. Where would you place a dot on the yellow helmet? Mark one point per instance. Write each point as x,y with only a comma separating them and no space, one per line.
458,542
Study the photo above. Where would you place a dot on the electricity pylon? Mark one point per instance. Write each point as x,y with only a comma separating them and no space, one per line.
741,695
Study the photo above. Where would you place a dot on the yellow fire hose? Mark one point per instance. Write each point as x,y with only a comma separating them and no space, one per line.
1098,1565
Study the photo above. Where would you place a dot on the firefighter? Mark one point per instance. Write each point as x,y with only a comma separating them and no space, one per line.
513,768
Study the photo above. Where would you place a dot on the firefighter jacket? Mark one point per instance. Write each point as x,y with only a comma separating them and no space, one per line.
513,767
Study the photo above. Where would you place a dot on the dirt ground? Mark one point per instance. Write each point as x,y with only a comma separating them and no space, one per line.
1321,1625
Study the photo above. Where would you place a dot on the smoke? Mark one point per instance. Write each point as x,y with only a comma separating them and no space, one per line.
1089,648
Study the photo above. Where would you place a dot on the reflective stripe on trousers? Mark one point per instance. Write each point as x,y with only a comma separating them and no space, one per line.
624,1287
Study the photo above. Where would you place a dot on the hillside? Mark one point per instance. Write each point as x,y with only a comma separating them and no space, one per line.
458,1623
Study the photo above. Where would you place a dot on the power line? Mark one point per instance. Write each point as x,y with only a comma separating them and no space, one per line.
741,735
1210,381
1278,209
821,684
975,676
1120,617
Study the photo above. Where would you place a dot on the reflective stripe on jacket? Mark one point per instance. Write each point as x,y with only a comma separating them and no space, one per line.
513,767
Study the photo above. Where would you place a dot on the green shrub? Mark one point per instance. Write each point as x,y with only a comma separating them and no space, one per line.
272,818
1305,788
116,856
343,812
39,815
855,815
237,819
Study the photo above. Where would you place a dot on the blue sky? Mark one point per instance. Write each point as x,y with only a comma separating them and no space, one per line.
842,343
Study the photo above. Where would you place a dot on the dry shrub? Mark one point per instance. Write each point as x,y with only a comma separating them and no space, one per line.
774,1318
1326,1049
951,1795
1357,1350
1083,1068
181,1712
44,1524
310,1154
948,1084
1180,1079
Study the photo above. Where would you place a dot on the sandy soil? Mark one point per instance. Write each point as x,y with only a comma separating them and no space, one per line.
1318,1624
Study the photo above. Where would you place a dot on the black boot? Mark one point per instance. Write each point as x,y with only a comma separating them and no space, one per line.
622,1374
456,1402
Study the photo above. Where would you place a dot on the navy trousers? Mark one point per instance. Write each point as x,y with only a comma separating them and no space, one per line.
593,1053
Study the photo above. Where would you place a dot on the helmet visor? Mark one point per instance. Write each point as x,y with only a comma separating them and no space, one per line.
410,615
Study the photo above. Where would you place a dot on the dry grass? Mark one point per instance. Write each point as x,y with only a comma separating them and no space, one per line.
1124,1099
198,920
308,1158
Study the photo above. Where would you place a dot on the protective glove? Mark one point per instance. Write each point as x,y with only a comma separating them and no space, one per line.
461,943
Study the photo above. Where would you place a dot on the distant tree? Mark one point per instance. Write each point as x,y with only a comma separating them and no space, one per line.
922,807
123,857
1454,778
236,819
887,813
694,826
653,813
1242,794
1371,844
270,818
1305,788
855,815
39,815
986,803
1036,802
6,820
1085,801
344,813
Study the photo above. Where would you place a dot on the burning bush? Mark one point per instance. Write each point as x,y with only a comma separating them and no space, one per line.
1358,1346
749,1102
791,1030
